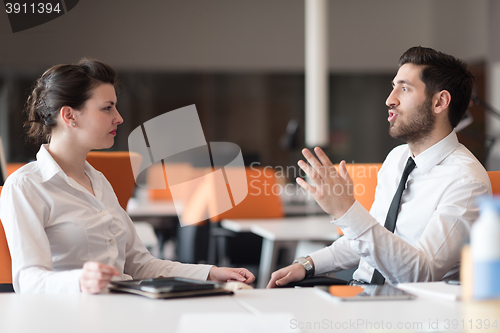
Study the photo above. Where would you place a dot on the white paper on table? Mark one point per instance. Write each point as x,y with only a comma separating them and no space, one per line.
236,322
439,289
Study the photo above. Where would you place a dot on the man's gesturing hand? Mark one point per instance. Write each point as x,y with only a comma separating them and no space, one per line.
333,191
96,276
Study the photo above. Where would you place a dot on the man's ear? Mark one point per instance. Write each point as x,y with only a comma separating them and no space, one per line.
441,101
67,115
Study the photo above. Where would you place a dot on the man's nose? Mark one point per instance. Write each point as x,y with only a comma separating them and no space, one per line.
392,99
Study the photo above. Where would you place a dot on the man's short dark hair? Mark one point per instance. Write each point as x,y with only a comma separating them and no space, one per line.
443,72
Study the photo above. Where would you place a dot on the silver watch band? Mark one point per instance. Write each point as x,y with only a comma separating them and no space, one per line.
307,266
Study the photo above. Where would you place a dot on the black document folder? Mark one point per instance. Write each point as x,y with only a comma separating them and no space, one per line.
169,288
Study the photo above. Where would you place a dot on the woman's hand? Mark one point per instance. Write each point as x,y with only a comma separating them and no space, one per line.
96,276
226,274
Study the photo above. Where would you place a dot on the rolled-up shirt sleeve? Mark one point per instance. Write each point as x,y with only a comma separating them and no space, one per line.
335,257
141,264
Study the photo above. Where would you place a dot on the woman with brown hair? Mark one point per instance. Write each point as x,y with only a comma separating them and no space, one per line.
65,228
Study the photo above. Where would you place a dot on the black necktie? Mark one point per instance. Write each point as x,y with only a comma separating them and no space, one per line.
392,215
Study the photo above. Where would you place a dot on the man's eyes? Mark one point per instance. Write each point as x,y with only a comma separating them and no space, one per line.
403,88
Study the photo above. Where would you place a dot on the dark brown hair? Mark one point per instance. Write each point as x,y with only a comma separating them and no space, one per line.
63,85
443,72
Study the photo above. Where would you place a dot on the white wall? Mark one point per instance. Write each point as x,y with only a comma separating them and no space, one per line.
245,35
493,77
371,35
459,27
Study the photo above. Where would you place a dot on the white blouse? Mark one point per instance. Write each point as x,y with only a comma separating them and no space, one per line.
54,225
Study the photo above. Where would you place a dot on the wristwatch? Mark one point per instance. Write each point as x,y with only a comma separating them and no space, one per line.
307,266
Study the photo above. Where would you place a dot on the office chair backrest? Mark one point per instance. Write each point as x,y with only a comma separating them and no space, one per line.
5,261
117,168
364,176
11,167
495,181
263,199
156,177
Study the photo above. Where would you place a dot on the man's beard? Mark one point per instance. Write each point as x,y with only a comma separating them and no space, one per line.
419,124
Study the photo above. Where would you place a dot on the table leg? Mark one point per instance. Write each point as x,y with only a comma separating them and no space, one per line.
268,259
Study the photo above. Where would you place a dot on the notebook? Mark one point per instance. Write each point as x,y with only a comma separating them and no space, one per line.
438,289
169,288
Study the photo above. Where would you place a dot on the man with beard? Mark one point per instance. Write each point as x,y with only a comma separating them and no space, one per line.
428,186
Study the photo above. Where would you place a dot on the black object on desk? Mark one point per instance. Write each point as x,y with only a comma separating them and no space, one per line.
316,281
6,288
169,288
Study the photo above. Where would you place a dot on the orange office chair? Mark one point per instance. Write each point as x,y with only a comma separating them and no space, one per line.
364,177
5,262
262,201
495,181
11,167
157,175
117,168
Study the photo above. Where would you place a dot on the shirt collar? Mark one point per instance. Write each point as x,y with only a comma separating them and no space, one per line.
48,166
434,155
96,179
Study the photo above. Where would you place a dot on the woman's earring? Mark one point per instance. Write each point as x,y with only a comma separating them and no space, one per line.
73,124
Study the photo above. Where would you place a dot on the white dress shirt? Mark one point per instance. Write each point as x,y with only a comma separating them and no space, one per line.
437,210
54,225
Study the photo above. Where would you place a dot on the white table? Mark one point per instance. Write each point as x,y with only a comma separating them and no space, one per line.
282,232
152,208
163,212
146,207
78,313
303,209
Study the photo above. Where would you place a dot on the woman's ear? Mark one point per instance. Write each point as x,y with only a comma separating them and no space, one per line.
441,101
67,115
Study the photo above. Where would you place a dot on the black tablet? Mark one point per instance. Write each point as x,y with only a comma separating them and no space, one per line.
171,287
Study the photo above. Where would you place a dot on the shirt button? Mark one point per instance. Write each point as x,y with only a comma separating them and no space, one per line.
103,213
112,241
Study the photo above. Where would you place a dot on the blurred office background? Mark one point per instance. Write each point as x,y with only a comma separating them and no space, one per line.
242,63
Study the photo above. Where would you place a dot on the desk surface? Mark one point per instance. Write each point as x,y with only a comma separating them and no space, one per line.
283,233
146,207
152,208
127,313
